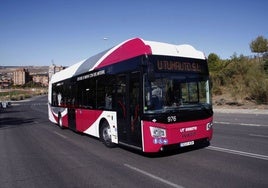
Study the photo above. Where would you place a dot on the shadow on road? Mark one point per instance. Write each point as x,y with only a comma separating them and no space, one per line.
12,122
170,152
178,151
10,119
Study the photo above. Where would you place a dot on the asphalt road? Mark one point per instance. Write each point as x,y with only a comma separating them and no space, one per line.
36,153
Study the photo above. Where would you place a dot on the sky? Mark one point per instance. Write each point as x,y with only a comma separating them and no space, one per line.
42,32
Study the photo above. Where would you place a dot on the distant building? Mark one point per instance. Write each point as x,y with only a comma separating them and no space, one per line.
21,76
53,69
41,78
5,82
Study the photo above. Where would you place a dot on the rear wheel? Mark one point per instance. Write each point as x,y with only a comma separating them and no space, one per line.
105,134
60,121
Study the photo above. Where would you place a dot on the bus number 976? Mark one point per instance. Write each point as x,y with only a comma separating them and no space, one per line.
171,119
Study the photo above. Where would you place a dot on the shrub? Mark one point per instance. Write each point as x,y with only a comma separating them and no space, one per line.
242,77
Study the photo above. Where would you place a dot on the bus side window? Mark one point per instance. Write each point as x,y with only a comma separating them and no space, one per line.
54,98
108,101
59,99
121,105
104,92
121,95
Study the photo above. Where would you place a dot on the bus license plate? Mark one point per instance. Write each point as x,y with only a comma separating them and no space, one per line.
187,144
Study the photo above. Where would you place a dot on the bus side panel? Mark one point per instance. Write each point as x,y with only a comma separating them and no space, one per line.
90,120
86,118
65,119
53,113
51,116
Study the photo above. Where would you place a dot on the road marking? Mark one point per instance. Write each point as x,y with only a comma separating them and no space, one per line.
246,124
221,122
153,176
242,153
250,124
59,134
259,135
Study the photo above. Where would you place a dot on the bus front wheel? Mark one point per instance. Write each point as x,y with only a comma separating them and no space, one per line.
105,134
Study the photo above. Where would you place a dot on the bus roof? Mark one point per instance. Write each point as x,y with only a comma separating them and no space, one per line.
126,50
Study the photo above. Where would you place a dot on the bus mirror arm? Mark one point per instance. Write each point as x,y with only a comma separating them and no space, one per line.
148,67
144,60
150,72
151,76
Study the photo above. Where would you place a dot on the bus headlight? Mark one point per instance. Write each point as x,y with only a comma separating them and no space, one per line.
157,132
209,126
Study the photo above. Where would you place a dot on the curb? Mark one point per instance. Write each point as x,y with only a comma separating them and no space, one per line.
240,111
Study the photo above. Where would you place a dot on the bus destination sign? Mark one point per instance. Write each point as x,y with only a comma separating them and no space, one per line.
178,66
91,75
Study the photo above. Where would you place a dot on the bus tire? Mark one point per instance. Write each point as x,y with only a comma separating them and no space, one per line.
60,121
105,134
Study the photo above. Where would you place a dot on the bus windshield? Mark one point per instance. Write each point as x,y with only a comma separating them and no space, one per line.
168,92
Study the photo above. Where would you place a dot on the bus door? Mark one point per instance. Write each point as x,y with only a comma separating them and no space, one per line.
134,109
121,107
71,93
128,109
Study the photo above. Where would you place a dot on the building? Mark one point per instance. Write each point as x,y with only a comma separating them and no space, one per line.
5,83
21,76
53,69
41,78
5,80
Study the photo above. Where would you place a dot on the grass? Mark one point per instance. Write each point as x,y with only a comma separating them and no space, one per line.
20,94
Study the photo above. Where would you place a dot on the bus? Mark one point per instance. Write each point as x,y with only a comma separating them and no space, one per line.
147,95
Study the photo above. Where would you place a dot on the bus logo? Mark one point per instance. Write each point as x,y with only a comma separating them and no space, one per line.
187,129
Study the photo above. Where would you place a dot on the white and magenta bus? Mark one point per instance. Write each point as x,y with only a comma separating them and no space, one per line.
146,95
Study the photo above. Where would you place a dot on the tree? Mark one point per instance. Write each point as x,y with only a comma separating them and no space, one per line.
213,62
259,45
213,58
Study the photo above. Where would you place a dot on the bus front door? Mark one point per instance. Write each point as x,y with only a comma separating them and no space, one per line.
128,109
121,107
134,109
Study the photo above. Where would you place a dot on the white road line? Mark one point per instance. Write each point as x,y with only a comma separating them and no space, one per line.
242,153
153,176
221,122
59,134
250,124
246,124
259,135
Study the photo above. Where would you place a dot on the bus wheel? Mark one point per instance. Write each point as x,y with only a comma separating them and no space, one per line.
105,134
60,120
